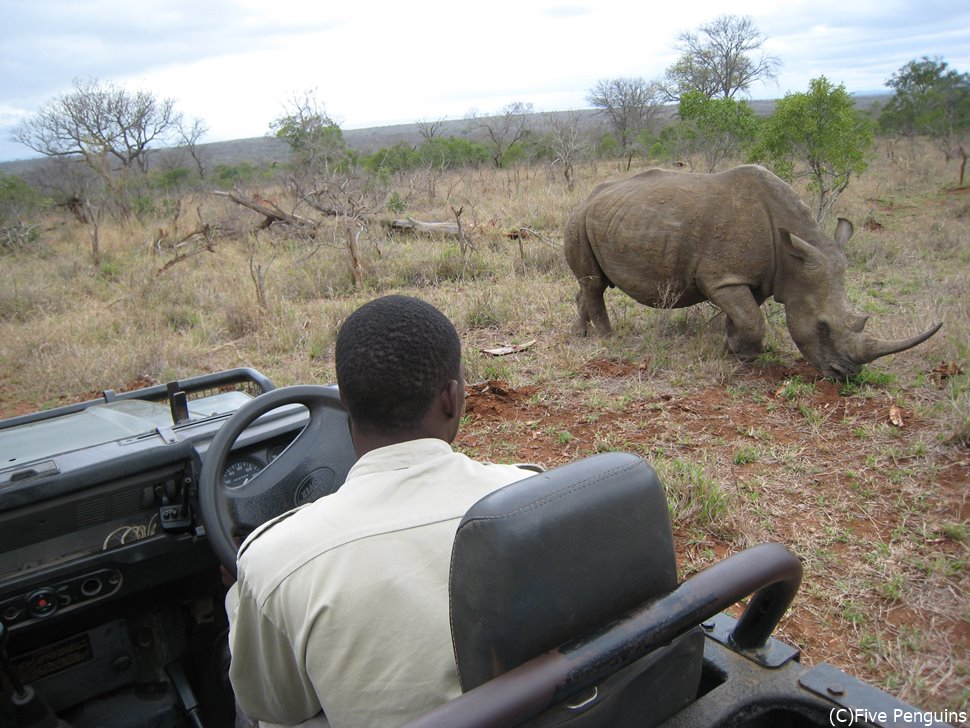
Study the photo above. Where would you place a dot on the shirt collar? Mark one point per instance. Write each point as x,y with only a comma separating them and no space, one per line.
399,456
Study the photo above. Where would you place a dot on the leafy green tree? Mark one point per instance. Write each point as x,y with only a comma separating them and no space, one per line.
719,61
315,139
931,99
718,129
818,135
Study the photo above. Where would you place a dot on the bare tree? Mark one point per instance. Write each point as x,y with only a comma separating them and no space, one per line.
566,140
719,60
430,129
632,105
108,128
189,136
505,130
106,125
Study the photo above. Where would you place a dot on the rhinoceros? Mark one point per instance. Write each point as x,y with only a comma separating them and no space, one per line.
673,239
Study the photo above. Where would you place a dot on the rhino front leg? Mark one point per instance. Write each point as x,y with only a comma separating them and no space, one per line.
591,307
744,324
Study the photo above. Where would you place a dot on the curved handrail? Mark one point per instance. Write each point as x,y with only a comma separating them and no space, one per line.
769,571
153,393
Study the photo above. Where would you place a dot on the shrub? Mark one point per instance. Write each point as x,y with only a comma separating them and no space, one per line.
453,152
395,204
388,160
172,180
20,205
227,175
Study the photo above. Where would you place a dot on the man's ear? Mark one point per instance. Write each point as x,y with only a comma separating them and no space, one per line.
452,399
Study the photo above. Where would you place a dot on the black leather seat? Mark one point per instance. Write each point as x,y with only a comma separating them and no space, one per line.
557,555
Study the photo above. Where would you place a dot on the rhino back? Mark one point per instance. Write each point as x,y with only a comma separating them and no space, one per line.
669,238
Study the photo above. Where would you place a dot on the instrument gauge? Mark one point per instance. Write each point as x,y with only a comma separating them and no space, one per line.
240,471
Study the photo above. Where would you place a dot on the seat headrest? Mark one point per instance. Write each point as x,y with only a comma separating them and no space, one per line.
550,557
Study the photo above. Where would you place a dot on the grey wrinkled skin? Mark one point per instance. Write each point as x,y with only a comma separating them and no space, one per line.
674,239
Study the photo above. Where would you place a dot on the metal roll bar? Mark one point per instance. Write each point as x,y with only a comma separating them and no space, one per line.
769,571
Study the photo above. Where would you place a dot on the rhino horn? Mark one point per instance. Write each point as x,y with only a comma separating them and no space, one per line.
874,348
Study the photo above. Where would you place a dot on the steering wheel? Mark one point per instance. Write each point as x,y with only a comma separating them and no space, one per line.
313,465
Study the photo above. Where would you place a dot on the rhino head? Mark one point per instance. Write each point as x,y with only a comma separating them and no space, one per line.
823,324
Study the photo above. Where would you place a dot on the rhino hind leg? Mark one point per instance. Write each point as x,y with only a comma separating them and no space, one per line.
744,324
591,307
592,280
579,328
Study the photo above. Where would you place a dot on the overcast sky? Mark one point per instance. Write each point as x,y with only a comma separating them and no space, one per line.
235,64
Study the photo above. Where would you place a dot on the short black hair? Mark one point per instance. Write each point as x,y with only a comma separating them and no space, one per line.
393,357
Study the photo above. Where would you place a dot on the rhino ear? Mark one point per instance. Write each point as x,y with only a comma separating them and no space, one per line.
798,248
843,231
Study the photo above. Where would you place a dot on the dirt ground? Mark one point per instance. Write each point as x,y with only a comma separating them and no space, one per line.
854,539
884,594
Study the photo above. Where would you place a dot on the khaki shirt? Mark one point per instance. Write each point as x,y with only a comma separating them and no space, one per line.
342,605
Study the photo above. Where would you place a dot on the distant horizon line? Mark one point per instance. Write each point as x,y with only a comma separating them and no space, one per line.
387,125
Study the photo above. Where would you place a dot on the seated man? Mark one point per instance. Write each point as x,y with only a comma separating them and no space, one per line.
341,606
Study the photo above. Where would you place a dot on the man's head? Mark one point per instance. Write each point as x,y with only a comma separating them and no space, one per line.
398,365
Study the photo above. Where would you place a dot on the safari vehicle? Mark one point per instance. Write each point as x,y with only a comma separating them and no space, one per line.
116,513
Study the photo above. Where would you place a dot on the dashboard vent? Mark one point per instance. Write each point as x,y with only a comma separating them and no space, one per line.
108,507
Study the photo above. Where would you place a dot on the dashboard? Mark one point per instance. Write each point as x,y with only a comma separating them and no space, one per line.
109,590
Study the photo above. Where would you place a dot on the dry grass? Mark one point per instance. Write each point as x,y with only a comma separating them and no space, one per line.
877,512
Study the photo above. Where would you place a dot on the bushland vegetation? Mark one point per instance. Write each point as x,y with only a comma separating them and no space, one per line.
865,479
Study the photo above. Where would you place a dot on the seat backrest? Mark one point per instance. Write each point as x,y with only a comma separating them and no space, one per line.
551,557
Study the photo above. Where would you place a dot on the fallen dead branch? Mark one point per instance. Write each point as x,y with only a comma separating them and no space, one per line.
270,211
202,238
506,349
204,245
433,229
524,233
272,214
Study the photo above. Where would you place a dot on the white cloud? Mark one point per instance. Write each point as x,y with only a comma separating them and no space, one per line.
235,63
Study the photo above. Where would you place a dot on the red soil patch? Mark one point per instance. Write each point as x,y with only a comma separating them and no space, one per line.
843,506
